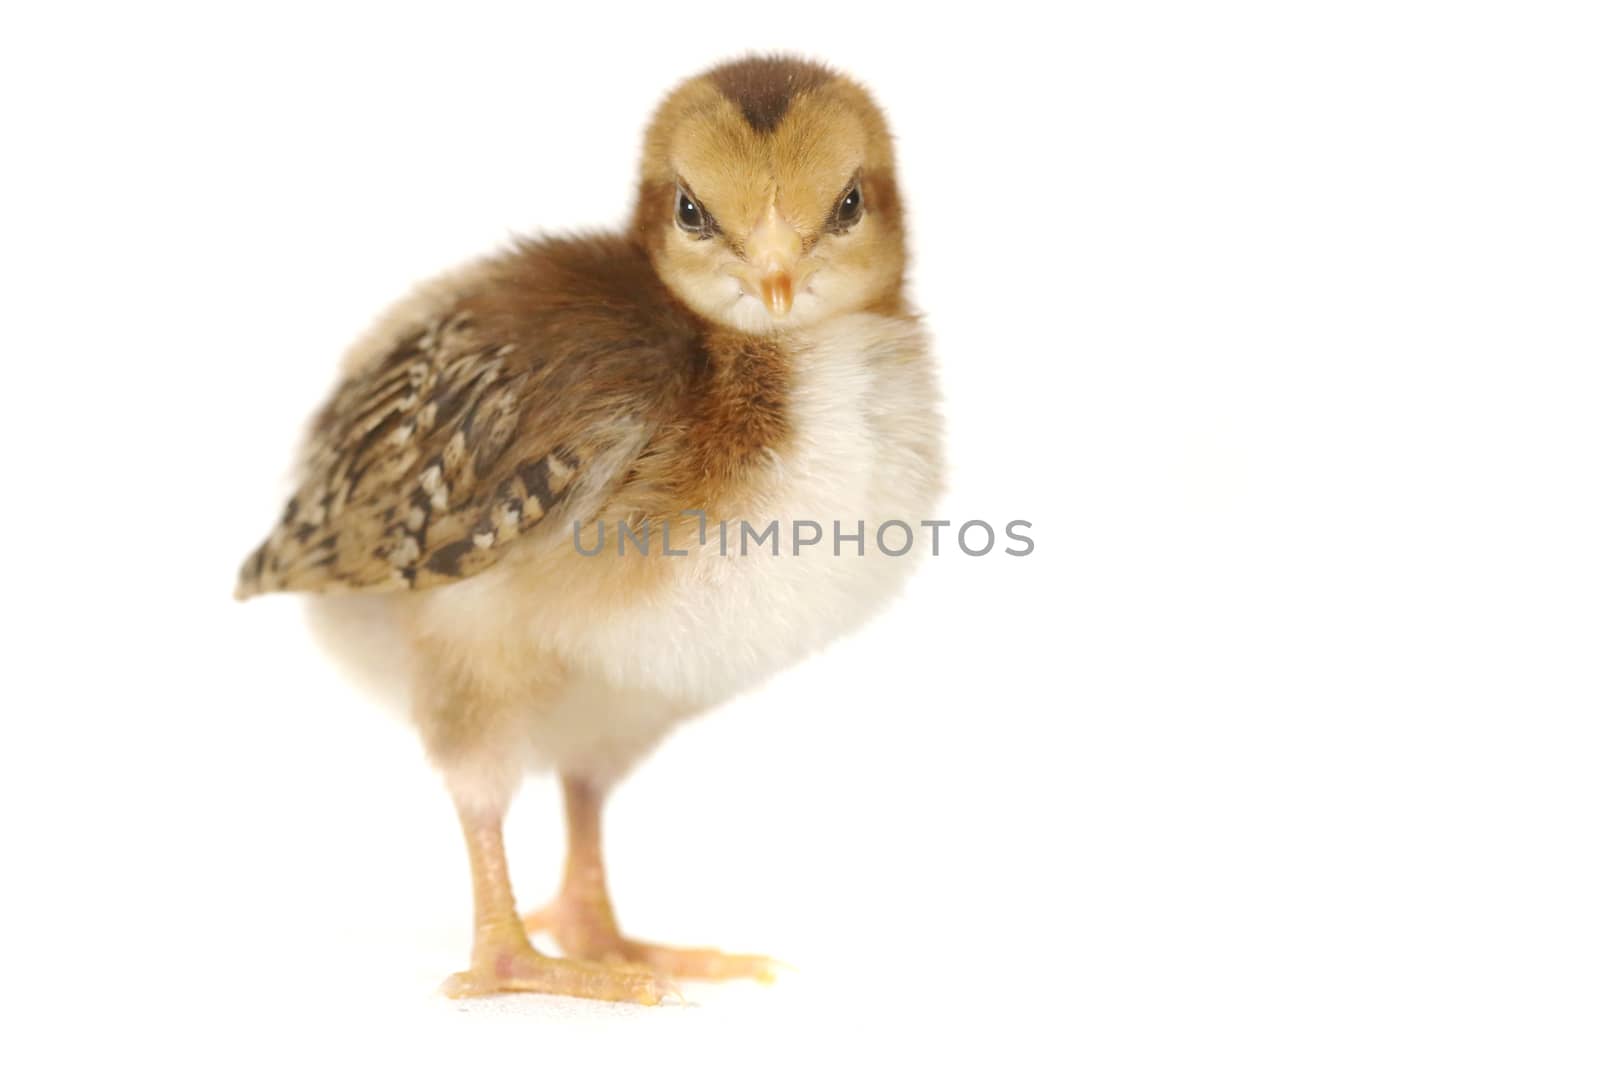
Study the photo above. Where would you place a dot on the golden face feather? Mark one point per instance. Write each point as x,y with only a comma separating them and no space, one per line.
765,209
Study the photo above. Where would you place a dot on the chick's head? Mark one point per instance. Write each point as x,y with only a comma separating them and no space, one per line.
767,196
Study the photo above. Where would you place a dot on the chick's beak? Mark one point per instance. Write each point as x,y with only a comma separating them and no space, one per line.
777,292
773,251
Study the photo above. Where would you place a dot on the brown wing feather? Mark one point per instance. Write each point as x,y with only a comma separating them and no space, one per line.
420,470
562,375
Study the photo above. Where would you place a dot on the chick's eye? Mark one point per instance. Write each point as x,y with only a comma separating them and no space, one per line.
690,216
849,209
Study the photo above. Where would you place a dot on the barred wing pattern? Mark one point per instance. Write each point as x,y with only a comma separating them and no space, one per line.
421,470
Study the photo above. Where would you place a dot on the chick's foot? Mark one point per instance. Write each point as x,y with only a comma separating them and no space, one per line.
511,965
588,932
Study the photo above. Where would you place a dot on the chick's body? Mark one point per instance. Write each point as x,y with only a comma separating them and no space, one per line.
578,491
592,658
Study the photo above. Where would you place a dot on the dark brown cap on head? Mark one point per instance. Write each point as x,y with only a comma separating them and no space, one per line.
764,86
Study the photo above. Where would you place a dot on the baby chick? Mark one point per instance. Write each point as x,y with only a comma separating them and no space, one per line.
742,353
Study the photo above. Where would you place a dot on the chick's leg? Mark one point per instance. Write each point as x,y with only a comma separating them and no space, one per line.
502,959
583,924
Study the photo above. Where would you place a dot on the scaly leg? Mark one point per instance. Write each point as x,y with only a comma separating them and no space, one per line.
583,924
502,959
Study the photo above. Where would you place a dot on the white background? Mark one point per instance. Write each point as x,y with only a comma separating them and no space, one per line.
1279,322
